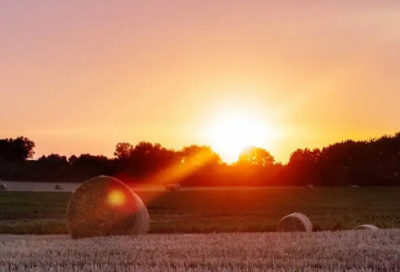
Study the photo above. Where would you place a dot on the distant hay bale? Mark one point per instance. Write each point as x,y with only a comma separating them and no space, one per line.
310,186
3,187
171,187
295,222
58,187
366,227
104,206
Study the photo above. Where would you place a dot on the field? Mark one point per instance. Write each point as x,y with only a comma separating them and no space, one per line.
209,229
319,251
223,210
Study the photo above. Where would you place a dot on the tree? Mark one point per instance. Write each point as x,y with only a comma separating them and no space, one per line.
73,159
144,158
256,156
16,150
304,157
303,167
123,151
87,166
53,167
200,155
24,148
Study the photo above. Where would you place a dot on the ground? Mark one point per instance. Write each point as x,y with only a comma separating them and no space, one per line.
217,229
218,210
318,251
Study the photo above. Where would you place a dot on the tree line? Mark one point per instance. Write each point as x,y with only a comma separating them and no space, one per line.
375,162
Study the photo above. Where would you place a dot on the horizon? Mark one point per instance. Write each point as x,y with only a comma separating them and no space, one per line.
36,157
79,78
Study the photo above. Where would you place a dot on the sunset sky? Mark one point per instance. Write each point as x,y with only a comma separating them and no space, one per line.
80,76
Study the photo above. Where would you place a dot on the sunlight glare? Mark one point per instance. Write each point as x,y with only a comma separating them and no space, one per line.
116,198
233,131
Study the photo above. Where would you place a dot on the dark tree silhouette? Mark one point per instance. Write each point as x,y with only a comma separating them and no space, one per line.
123,151
302,168
256,156
375,162
73,159
16,150
58,164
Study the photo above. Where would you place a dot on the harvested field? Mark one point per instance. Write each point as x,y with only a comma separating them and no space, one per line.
322,251
218,211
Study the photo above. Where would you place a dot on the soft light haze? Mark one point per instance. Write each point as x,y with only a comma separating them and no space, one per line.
80,76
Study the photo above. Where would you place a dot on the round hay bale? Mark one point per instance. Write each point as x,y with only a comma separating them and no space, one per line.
171,187
295,222
366,227
104,206
58,187
3,187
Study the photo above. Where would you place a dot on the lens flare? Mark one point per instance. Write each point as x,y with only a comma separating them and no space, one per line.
116,198
235,130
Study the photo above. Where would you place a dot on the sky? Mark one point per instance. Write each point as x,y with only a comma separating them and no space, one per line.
80,76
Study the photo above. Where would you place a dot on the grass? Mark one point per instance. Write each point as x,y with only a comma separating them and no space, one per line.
322,251
218,211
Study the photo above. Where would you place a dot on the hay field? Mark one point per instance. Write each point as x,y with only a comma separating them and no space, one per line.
322,251
218,211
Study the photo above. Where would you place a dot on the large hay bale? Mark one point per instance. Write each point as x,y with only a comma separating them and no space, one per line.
104,206
295,222
3,187
366,227
171,187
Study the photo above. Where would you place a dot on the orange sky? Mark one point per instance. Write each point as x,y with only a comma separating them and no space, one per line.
80,77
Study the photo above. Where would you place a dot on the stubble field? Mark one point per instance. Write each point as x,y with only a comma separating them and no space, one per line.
318,251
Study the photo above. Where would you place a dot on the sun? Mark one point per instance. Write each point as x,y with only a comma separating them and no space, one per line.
233,131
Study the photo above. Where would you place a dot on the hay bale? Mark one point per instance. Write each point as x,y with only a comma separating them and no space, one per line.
3,187
366,227
104,206
295,222
58,187
171,187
